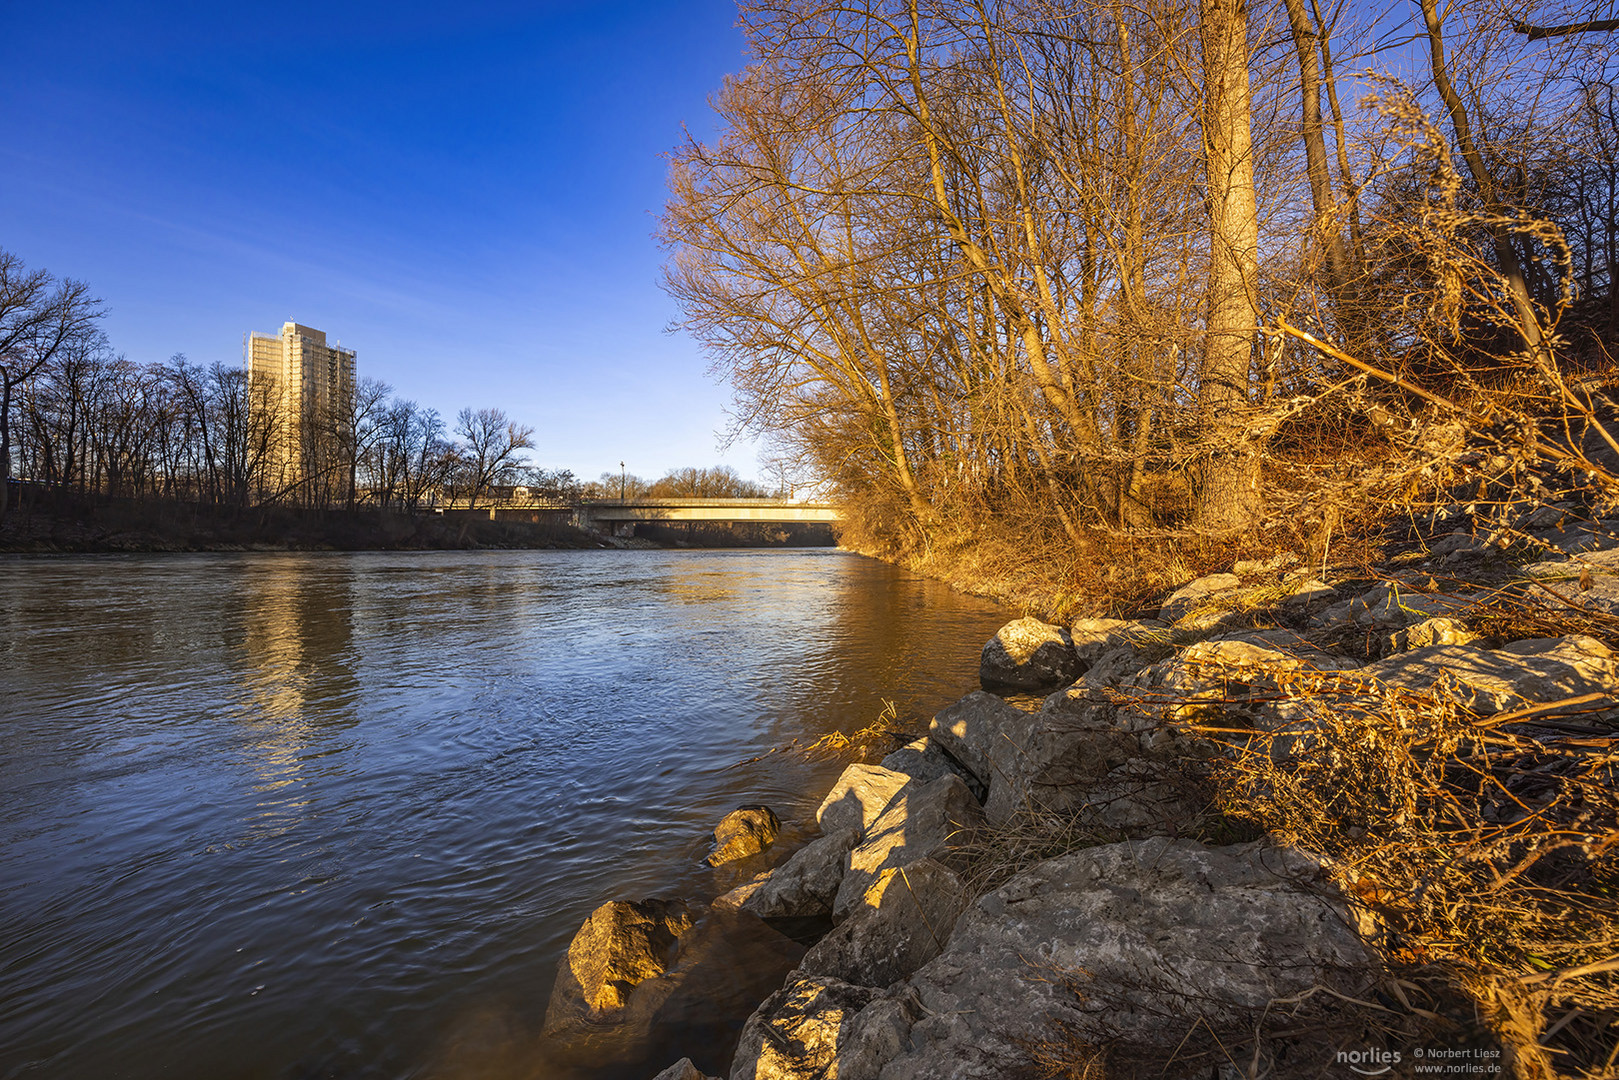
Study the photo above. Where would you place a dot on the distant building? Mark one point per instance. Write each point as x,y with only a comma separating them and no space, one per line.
307,388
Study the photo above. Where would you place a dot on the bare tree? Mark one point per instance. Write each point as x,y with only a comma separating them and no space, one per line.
39,316
493,444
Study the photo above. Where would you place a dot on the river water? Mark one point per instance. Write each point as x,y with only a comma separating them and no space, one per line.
338,815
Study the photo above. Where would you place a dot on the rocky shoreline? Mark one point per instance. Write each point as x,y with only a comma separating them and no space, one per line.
937,923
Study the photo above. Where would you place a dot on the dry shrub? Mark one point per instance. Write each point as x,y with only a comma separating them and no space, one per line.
1486,850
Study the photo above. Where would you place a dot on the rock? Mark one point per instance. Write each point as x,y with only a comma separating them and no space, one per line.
723,966
682,1070
974,728
1028,655
733,899
1204,680
1257,568
1091,638
1046,762
1140,946
858,797
1428,632
924,760
1531,672
1456,542
796,1032
806,884
1600,571
621,945
1392,607
744,832
922,821
902,921
1202,593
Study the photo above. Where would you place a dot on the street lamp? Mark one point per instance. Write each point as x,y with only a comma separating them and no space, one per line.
621,475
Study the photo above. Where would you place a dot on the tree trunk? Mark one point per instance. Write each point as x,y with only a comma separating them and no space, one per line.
5,446
1231,496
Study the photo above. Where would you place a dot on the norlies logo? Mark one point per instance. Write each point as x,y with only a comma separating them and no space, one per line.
1369,1062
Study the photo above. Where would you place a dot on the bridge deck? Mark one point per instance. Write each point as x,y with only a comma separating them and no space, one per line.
763,510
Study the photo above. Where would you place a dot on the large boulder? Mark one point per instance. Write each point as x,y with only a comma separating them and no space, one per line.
1028,655
923,820
795,1033
1207,598
620,945
1048,760
924,760
805,885
902,921
858,797
721,966
976,728
1393,606
1532,672
743,832
1149,947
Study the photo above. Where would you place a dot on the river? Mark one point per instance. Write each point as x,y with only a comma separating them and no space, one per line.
290,816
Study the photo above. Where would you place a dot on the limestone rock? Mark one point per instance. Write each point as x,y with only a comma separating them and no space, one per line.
1600,571
806,884
795,1034
621,945
1392,607
682,1070
1046,763
973,729
924,760
733,899
1028,655
1530,672
1137,945
1428,632
902,921
1202,593
858,797
922,821
744,832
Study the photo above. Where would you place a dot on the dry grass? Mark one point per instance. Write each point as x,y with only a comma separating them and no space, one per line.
1487,851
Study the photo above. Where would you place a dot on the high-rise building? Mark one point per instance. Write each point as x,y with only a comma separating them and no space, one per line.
308,386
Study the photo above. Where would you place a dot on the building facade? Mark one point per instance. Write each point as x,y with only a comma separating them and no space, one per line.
305,385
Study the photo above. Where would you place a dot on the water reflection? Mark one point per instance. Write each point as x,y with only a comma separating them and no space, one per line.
338,815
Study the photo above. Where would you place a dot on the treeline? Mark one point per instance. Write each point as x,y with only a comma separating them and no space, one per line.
718,482
1145,266
80,418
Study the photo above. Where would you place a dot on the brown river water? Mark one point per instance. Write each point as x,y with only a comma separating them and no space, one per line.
338,815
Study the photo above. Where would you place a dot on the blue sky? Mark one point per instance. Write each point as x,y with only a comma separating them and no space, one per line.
463,192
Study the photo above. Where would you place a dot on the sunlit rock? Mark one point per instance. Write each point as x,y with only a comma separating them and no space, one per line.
744,832
901,921
1198,596
858,797
805,885
795,1034
1532,672
1428,632
1028,654
621,945
923,820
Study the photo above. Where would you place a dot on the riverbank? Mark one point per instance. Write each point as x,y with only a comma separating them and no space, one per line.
1285,824
84,525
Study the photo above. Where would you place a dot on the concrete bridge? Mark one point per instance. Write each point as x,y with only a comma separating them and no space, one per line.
622,515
